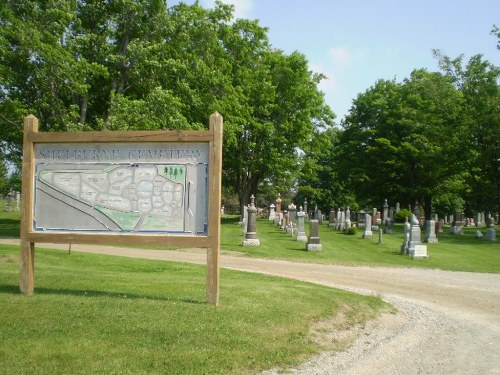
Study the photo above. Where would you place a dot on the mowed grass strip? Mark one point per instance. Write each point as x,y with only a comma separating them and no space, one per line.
452,252
112,315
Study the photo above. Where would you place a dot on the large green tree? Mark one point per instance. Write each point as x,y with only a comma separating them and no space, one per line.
478,81
136,64
401,141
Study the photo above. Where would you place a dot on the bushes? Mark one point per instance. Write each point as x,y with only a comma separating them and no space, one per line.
401,214
351,230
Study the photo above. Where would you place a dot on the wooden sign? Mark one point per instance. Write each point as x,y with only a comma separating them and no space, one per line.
158,188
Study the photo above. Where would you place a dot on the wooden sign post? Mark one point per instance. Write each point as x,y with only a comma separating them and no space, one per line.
156,188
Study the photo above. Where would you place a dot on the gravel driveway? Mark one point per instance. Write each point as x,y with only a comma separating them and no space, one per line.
447,322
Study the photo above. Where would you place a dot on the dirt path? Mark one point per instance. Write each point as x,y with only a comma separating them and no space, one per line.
448,322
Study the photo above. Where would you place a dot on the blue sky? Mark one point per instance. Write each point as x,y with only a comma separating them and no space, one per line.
357,42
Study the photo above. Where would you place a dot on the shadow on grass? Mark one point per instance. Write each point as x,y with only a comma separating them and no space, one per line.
9,228
14,289
230,220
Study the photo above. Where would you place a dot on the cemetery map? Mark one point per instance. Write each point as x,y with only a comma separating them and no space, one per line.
128,197
158,187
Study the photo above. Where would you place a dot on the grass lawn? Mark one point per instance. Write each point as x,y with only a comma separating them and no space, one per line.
453,252
111,315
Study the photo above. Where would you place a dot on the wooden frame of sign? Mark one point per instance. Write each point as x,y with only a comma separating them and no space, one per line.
208,238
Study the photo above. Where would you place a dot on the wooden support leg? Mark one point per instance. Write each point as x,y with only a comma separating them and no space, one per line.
213,276
27,282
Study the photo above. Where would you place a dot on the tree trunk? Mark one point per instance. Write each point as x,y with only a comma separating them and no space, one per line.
428,207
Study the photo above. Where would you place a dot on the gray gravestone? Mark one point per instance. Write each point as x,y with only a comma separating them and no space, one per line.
386,211
251,233
368,227
292,212
407,229
430,232
313,243
301,233
415,248
491,234
331,218
272,213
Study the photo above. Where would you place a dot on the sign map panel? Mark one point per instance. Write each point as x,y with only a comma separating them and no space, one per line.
120,187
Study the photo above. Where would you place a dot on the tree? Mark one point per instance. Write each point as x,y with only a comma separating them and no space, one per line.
318,180
136,64
401,140
478,81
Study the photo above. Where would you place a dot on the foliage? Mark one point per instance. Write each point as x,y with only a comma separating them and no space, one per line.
400,216
351,230
318,181
478,82
402,140
133,65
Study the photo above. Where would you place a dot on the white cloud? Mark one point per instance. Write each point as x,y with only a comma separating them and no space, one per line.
340,56
242,8
329,84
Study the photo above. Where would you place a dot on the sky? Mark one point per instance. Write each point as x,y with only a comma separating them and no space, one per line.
357,42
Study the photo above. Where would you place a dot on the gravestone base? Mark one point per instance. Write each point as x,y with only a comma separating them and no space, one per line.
491,234
302,237
314,247
404,249
368,235
251,242
419,252
431,239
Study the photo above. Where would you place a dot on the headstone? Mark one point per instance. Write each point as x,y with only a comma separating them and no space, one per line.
416,211
386,211
368,227
245,219
478,234
361,219
284,222
397,207
305,209
301,233
251,233
415,235
272,213
339,218
342,219
331,219
439,226
313,243
391,214
430,232
388,225
278,203
406,241
292,213
18,200
374,216
347,218
491,234
419,252
379,236
8,206
319,216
